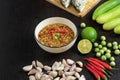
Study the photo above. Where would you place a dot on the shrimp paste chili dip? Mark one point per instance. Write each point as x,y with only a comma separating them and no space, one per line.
55,35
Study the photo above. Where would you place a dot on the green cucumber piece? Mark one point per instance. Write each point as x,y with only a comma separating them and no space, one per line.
111,14
106,6
117,29
111,24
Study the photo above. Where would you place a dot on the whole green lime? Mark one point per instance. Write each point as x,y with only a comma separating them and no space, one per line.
89,33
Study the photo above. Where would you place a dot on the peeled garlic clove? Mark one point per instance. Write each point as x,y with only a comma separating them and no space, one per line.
47,68
66,68
78,69
27,68
70,78
46,77
39,69
69,73
64,62
73,67
50,77
63,75
57,78
34,63
77,75
33,71
38,75
82,77
32,78
70,61
80,63
61,67
53,73
56,65
43,78
63,78
39,64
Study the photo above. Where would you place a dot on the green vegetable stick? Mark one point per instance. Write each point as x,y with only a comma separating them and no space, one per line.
111,14
111,24
117,29
106,6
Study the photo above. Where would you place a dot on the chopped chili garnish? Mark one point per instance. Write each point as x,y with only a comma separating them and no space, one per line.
50,35
56,33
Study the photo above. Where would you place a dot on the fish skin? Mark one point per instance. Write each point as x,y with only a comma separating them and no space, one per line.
65,3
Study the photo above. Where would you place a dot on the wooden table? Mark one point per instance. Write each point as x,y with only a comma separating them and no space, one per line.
18,19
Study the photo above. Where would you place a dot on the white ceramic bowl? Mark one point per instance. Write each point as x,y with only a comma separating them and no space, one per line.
53,20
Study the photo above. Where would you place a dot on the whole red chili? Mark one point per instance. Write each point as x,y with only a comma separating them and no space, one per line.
97,76
94,62
99,68
107,66
101,74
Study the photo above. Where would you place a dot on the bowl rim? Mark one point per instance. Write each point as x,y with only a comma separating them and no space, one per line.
75,37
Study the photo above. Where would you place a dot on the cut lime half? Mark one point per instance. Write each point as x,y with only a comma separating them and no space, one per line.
84,46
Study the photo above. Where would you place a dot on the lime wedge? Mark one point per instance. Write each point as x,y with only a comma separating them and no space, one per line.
84,46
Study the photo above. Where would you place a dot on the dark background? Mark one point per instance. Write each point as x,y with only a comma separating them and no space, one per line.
18,47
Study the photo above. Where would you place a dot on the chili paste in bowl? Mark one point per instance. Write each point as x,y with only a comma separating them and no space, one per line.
56,34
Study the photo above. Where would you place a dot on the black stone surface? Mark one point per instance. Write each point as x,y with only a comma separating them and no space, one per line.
18,19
